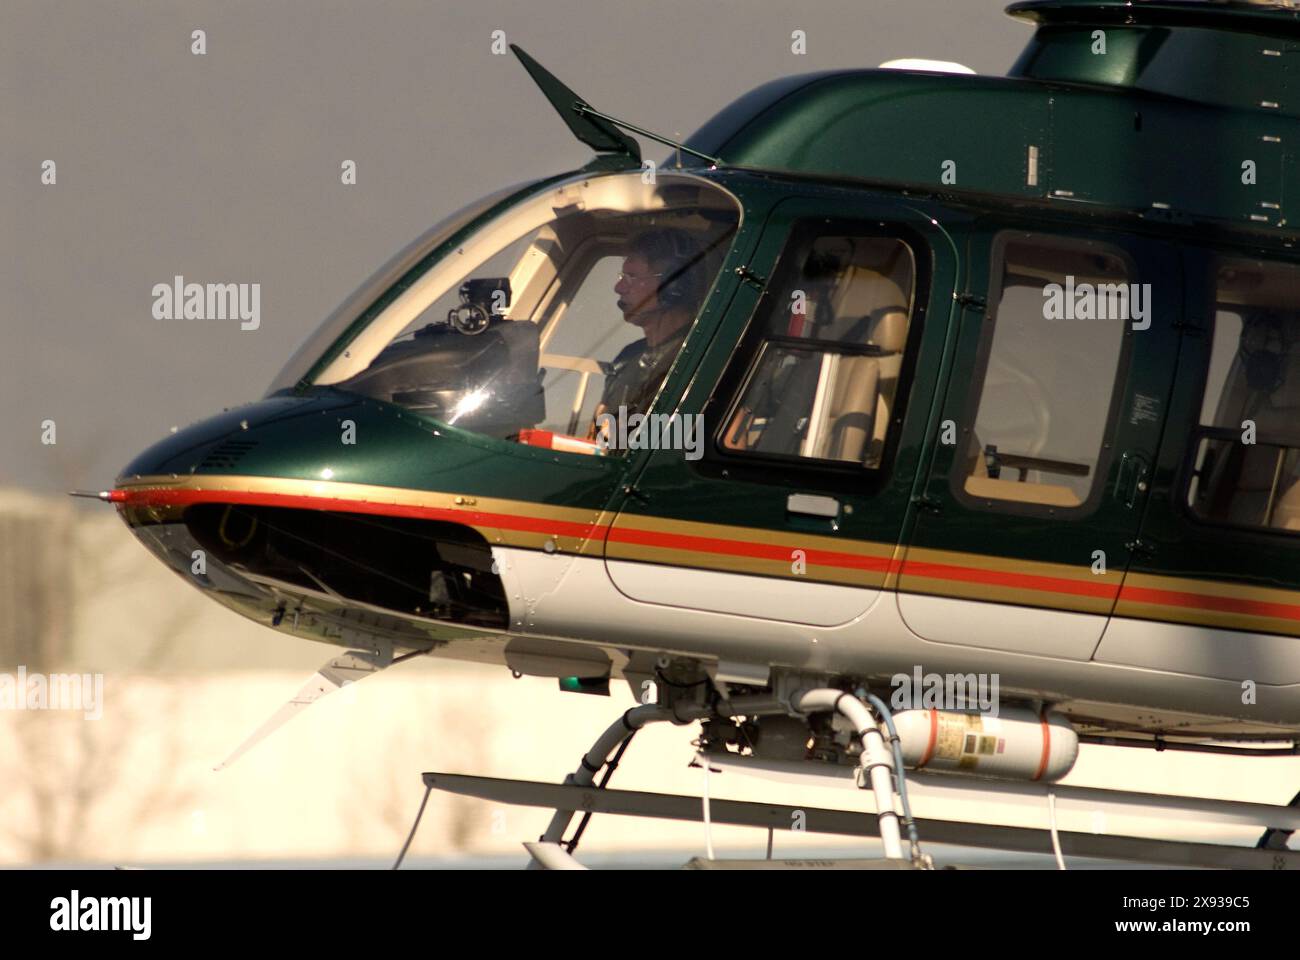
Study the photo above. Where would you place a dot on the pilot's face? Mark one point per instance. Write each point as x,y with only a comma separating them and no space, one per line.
637,289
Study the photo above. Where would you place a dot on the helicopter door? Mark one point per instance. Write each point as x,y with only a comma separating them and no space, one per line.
1214,590
809,407
1058,394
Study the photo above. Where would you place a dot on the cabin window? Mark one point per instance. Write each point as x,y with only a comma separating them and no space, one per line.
1246,466
825,379
1048,368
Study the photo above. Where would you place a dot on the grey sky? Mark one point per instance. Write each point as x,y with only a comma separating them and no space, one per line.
225,167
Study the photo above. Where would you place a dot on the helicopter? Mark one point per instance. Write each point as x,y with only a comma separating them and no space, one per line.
881,374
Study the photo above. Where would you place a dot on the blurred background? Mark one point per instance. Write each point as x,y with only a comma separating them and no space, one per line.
226,167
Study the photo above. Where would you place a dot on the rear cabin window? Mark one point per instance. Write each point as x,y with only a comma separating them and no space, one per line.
1246,466
1050,360
826,378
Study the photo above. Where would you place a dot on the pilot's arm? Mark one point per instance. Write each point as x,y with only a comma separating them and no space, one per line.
622,384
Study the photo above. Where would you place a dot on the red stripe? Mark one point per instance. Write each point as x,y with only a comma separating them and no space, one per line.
746,548
506,521
715,545
1006,578
1179,598
1047,745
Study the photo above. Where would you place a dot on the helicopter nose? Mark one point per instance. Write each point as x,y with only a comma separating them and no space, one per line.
218,444
262,505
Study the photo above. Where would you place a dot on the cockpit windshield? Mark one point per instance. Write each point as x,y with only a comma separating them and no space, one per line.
569,304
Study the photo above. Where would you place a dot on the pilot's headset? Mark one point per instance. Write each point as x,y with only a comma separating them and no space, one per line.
1263,350
680,258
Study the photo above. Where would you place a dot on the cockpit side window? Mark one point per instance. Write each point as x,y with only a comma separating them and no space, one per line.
826,377
1246,467
1049,368
572,304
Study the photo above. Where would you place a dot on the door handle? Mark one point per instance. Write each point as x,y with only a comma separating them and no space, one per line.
926,503
1140,549
1132,479
813,505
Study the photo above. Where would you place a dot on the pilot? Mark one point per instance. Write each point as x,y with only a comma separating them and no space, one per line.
660,288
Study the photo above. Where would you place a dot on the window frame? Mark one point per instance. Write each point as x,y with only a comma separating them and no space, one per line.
791,469
984,351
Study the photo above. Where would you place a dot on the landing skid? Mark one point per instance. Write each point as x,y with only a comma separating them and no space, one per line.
1275,838
854,823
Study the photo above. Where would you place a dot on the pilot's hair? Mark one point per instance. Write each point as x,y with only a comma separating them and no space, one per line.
680,258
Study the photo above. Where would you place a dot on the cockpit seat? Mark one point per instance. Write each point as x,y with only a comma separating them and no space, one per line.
978,483
874,309
1261,481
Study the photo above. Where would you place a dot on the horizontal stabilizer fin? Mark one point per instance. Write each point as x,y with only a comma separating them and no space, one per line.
350,667
595,132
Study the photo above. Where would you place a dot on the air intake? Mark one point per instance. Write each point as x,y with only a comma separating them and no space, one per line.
1216,52
227,455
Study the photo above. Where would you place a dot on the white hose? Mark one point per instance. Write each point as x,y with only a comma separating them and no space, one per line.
708,824
595,758
552,856
618,731
1056,840
877,761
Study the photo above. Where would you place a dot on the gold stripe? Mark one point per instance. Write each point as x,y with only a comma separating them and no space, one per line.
776,538
1198,616
729,563
1033,568
961,590
367,493
1212,588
